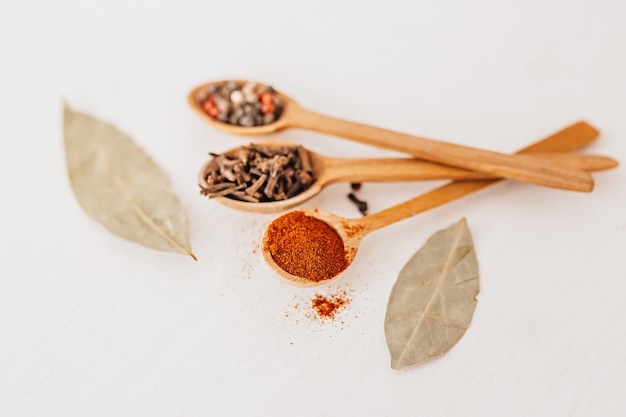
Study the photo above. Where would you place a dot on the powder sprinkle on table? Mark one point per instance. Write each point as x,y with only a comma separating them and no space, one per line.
326,306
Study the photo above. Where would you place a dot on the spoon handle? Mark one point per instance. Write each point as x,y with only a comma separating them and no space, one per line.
522,168
411,169
568,139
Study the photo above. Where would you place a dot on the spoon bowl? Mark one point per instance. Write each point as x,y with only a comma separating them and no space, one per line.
279,124
318,168
349,230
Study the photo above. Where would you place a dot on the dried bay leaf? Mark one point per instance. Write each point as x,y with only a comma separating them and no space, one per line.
432,302
119,186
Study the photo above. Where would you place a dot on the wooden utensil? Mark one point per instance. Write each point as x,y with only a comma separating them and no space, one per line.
329,170
352,231
519,167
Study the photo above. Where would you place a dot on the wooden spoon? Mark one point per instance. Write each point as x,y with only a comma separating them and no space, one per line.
352,231
522,168
329,170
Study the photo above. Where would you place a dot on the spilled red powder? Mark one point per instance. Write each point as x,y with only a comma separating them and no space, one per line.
325,306
353,230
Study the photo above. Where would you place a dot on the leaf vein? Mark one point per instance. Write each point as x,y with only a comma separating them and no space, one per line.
446,266
119,185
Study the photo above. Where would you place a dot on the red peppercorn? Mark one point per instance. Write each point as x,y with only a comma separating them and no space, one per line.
267,98
268,108
210,107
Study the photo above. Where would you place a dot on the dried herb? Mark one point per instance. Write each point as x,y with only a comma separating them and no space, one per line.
120,187
257,173
432,302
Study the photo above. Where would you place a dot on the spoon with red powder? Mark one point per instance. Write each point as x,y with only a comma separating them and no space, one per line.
311,247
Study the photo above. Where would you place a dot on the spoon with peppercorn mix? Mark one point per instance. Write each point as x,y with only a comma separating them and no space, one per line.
311,247
276,176
246,108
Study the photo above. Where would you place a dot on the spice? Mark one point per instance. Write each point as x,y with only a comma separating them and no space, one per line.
306,247
236,103
361,205
326,306
257,173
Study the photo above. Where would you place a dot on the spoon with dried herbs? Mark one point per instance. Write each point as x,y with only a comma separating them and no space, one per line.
310,247
276,176
246,108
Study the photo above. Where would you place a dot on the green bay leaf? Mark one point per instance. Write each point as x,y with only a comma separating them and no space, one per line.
121,187
432,302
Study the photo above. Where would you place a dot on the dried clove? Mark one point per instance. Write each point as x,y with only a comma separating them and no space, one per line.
361,205
258,173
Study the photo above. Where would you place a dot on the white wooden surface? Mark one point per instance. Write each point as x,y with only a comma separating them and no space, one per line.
94,326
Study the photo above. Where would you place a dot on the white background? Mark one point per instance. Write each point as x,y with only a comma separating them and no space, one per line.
91,325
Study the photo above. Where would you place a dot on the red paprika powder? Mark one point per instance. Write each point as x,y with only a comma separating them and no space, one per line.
326,306
306,247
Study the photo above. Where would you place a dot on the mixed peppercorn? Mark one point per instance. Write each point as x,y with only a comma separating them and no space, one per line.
242,104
